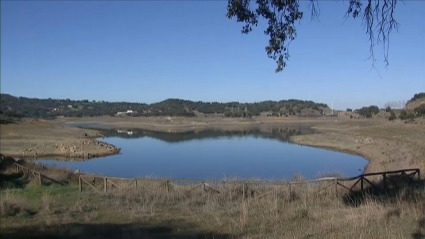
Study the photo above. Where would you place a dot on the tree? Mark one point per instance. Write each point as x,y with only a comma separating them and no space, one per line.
368,111
373,109
281,15
388,109
349,110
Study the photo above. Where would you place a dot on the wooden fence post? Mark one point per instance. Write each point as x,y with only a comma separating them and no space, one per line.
135,183
243,190
361,182
336,187
384,180
105,184
419,174
80,186
39,179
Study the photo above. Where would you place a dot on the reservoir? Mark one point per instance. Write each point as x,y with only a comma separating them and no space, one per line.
257,153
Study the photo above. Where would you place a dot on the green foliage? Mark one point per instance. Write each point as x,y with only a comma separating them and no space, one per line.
368,111
410,116
388,109
392,116
420,110
51,108
349,110
282,16
403,115
418,96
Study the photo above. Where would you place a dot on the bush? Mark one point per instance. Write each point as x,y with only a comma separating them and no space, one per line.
393,116
420,110
418,96
410,116
403,115
388,109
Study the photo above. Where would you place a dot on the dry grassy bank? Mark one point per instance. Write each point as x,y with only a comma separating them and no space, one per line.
386,145
61,211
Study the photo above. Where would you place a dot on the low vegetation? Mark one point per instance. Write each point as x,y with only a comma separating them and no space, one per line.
52,211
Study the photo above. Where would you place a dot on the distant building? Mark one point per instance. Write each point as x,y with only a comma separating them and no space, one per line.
127,112
346,113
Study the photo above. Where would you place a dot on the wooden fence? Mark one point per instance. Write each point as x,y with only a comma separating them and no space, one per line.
387,180
29,172
34,175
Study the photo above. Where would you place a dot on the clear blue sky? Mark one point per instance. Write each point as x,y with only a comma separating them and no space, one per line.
148,51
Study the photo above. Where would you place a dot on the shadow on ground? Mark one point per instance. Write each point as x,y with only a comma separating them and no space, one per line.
109,231
11,179
397,188
404,189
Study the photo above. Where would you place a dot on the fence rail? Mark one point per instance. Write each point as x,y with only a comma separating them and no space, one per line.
258,189
34,175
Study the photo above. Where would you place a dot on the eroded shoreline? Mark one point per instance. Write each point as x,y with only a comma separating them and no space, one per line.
386,145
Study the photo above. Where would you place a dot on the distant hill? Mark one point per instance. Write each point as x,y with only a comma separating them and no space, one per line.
12,106
416,101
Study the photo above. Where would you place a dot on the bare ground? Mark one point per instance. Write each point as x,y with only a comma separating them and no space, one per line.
39,138
386,145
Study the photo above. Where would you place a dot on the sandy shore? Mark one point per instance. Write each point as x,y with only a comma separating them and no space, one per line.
386,145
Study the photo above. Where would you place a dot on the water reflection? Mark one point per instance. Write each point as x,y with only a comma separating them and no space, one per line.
280,133
214,154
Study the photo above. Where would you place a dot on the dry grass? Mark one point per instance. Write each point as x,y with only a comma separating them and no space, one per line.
150,209
296,212
12,205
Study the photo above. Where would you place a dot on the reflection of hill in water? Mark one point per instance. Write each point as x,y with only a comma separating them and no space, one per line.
279,133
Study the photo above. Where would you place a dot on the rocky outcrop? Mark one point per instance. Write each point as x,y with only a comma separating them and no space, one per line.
82,149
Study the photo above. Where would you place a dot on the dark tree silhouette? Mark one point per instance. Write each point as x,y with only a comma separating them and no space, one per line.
377,18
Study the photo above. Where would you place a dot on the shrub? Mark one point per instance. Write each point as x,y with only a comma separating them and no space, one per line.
420,110
418,96
388,109
410,116
403,115
393,116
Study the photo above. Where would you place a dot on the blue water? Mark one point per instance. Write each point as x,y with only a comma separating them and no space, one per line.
246,155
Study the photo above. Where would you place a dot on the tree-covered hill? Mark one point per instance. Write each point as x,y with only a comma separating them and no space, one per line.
12,106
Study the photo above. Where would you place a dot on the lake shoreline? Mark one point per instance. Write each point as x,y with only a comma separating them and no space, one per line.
372,139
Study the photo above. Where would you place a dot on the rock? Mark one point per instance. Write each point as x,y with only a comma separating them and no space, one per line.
77,171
